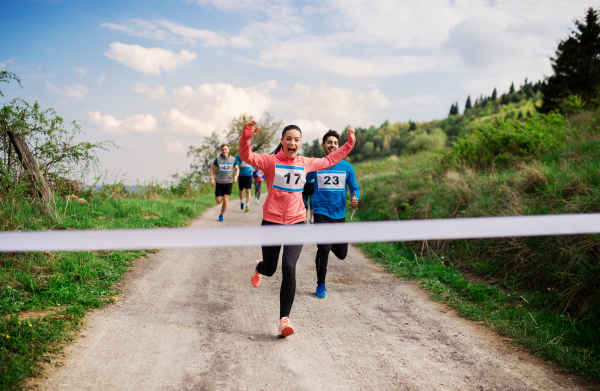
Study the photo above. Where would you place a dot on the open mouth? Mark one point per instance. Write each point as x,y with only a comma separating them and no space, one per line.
291,151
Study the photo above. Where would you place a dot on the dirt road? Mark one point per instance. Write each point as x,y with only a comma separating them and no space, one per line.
190,320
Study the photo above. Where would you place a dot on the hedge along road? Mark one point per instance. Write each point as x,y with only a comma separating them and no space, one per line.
188,319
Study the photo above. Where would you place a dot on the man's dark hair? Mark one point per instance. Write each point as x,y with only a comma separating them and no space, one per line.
331,133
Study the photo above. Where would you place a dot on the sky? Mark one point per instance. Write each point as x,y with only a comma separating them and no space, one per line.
158,76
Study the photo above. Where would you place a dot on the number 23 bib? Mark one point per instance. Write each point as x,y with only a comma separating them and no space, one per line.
331,180
289,178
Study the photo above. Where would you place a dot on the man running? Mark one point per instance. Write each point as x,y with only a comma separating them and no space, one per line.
224,177
329,204
244,181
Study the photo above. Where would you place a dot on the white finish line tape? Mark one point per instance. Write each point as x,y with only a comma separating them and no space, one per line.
384,231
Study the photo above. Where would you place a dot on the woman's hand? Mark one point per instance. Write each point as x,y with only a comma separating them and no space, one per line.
250,126
351,134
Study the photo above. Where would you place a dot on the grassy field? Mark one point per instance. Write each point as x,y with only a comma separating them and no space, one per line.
544,292
45,296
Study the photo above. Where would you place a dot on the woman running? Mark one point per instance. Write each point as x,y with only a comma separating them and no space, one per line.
286,175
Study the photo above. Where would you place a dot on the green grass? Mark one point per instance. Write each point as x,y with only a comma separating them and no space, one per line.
558,277
69,283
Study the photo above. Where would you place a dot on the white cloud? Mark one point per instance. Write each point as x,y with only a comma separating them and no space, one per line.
210,107
81,72
153,93
4,64
177,122
101,78
166,30
107,122
175,146
235,4
139,28
333,106
148,60
142,123
76,91
192,35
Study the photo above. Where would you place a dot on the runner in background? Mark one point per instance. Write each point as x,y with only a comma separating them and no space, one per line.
224,177
244,181
259,178
307,193
329,204
285,173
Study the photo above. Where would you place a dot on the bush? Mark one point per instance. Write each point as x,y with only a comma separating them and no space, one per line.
509,141
426,142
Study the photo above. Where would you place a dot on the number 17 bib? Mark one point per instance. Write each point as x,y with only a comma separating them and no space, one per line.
331,180
289,178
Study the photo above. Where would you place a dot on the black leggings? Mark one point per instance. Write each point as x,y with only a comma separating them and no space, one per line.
340,250
268,266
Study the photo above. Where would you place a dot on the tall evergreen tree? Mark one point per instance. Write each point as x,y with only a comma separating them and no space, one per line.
468,103
576,65
512,88
494,95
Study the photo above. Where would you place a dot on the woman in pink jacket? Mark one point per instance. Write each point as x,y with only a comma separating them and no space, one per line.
286,175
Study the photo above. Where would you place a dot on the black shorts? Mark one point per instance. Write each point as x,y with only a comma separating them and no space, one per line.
223,189
320,219
245,182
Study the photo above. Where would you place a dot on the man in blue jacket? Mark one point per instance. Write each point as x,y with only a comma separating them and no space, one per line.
244,181
329,204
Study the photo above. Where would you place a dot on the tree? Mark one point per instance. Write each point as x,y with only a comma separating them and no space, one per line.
52,144
413,126
453,110
494,95
468,103
6,77
262,142
368,149
512,88
576,65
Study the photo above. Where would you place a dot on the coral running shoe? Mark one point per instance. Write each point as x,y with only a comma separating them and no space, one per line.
255,277
320,292
285,328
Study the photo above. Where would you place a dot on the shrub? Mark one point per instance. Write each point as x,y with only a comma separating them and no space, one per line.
426,142
509,141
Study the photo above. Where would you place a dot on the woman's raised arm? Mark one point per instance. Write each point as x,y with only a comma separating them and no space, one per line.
246,154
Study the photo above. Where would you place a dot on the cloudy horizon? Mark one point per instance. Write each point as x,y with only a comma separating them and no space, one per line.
156,77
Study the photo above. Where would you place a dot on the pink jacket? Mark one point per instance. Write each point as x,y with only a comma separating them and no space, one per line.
286,178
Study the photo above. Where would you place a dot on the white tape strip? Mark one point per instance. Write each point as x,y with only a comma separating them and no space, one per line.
386,231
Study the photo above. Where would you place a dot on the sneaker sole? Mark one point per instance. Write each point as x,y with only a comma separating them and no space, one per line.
286,332
319,297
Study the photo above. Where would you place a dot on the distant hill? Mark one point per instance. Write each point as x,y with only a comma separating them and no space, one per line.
402,138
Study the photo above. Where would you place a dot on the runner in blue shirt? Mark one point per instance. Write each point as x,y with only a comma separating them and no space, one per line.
244,181
329,204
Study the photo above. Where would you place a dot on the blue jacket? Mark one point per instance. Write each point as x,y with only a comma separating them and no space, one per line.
329,198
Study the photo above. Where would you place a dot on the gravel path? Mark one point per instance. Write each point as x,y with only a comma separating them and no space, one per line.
190,320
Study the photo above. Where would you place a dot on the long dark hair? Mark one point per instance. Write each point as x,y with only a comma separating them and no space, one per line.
285,130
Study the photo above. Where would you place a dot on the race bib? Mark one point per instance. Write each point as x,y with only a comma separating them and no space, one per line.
289,178
331,180
225,167
244,164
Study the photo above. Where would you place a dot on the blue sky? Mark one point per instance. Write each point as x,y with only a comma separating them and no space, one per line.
158,76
